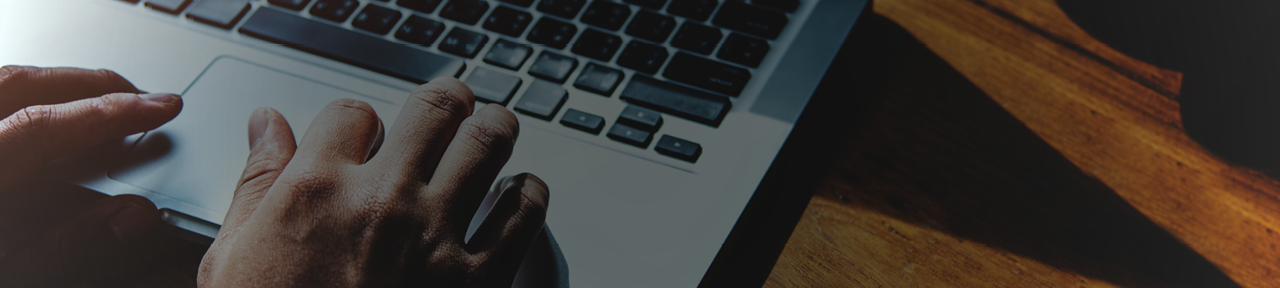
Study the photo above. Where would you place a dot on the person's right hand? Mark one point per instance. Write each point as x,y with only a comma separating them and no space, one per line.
324,213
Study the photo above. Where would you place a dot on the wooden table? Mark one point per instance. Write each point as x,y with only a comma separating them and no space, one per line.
995,143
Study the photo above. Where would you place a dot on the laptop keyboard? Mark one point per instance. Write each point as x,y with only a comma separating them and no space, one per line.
677,39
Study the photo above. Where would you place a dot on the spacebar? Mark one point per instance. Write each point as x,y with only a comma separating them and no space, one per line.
350,47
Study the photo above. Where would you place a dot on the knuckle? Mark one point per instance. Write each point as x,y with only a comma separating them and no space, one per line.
488,132
14,73
444,98
352,104
308,182
30,121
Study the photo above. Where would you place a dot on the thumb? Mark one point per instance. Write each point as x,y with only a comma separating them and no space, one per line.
82,244
37,134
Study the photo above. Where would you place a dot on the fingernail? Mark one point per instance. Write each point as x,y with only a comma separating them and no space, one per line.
131,222
515,183
164,98
257,126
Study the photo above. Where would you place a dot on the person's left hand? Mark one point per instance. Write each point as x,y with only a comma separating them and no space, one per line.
53,112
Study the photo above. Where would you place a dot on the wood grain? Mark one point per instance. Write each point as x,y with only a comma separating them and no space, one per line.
1113,119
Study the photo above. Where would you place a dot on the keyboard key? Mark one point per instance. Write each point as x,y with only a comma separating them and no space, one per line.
563,8
542,100
598,45
492,86
552,33
784,5
680,101
641,118
507,54
693,9
625,134
607,15
334,10
294,5
651,26
743,50
424,6
168,6
651,4
644,57
707,74
421,31
508,21
678,148
697,38
376,19
552,66
754,20
598,79
465,11
350,47
221,14
521,3
584,121
463,43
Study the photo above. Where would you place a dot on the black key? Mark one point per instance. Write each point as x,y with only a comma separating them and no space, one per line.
508,21
784,5
563,8
424,6
651,4
584,121
707,74
350,47
492,86
507,54
683,102
521,3
641,118
542,100
222,14
421,31
625,134
552,33
598,79
294,5
552,66
131,1
643,57
693,9
463,43
743,50
376,19
651,26
696,38
757,21
607,15
678,148
334,10
598,45
168,6
465,11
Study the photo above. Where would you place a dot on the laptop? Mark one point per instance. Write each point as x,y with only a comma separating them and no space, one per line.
653,121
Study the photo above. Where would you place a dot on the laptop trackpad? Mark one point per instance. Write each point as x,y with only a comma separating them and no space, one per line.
198,157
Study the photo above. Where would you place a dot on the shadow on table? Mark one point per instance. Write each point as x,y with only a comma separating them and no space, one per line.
925,145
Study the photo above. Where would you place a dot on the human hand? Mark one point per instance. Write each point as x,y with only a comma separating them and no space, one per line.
53,112
327,212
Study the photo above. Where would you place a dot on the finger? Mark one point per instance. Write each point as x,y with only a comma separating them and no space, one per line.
271,146
87,242
37,134
511,226
472,161
343,133
22,86
426,124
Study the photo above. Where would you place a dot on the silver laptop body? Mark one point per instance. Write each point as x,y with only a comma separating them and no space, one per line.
625,214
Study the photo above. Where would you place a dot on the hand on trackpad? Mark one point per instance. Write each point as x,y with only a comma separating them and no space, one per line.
304,209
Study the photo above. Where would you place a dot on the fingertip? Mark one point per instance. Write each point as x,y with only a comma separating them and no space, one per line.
258,123
536,190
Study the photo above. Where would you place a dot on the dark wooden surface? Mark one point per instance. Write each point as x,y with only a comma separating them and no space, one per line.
999,145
